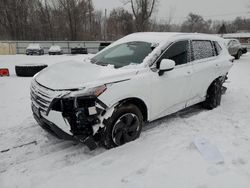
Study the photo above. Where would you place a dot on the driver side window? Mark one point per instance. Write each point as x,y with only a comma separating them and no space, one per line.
178,52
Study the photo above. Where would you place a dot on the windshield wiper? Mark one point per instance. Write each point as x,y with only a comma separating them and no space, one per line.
101,63
92,60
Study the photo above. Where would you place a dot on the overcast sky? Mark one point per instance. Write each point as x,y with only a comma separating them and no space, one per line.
179,9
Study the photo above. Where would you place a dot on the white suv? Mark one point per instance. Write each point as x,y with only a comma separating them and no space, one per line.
137,79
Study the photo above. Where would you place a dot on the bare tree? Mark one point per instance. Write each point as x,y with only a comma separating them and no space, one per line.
71,9
142,11
96,26
46,18
196,23
14,16
119,23
242,24
164,25
222,29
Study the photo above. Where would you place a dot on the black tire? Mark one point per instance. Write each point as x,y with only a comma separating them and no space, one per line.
118,130
28,70
214,93
239,53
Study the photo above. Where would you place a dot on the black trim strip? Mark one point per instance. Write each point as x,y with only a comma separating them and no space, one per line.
102,104
118,81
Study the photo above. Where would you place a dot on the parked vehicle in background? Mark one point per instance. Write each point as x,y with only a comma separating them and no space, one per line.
234,47
34,49
103,45
79,50
139,78
55,50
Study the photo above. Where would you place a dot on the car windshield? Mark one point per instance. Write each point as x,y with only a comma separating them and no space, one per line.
123,54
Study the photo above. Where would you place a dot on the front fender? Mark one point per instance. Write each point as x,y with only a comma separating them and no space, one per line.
126,90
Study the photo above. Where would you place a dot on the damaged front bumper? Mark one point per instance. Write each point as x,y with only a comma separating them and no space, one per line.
64,134
55,124
73,118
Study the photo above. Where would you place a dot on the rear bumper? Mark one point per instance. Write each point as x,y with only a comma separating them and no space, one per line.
33,52
55,53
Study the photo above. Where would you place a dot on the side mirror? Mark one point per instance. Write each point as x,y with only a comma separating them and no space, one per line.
166,65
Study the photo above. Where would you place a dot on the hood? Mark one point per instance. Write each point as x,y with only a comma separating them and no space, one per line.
75,75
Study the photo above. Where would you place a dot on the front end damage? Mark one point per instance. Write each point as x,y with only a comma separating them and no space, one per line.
67,116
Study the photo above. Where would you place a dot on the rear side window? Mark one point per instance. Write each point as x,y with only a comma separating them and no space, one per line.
202,49
177,52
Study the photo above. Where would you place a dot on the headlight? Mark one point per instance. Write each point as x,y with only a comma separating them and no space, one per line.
96,91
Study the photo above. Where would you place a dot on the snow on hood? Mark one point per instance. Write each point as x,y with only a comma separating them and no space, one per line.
75,75
55,48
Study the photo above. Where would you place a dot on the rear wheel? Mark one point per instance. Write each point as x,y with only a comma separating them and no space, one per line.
214,93
123,126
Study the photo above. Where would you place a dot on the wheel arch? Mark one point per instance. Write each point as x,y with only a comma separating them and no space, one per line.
221,78
137,102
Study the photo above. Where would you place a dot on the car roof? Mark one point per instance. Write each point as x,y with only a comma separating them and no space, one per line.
160,37
160,40
33,46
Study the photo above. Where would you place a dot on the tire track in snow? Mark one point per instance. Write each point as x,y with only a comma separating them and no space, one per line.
47,145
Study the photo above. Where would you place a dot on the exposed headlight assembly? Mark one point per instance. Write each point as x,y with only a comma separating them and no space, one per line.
96,91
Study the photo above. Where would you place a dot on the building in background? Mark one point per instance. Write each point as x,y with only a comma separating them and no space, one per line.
7,48
243,37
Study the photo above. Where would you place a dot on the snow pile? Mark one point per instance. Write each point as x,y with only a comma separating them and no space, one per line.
164,155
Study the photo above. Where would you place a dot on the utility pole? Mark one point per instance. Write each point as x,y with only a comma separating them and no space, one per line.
90,16
105,25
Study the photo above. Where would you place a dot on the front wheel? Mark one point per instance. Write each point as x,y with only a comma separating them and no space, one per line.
214,93
123,126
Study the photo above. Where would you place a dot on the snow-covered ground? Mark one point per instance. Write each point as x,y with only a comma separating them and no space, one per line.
164,155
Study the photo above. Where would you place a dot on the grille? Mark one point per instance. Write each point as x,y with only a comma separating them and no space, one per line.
41,96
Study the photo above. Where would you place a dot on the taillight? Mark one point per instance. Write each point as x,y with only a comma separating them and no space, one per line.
4,72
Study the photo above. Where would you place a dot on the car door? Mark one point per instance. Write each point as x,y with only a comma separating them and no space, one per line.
170,91
205,68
